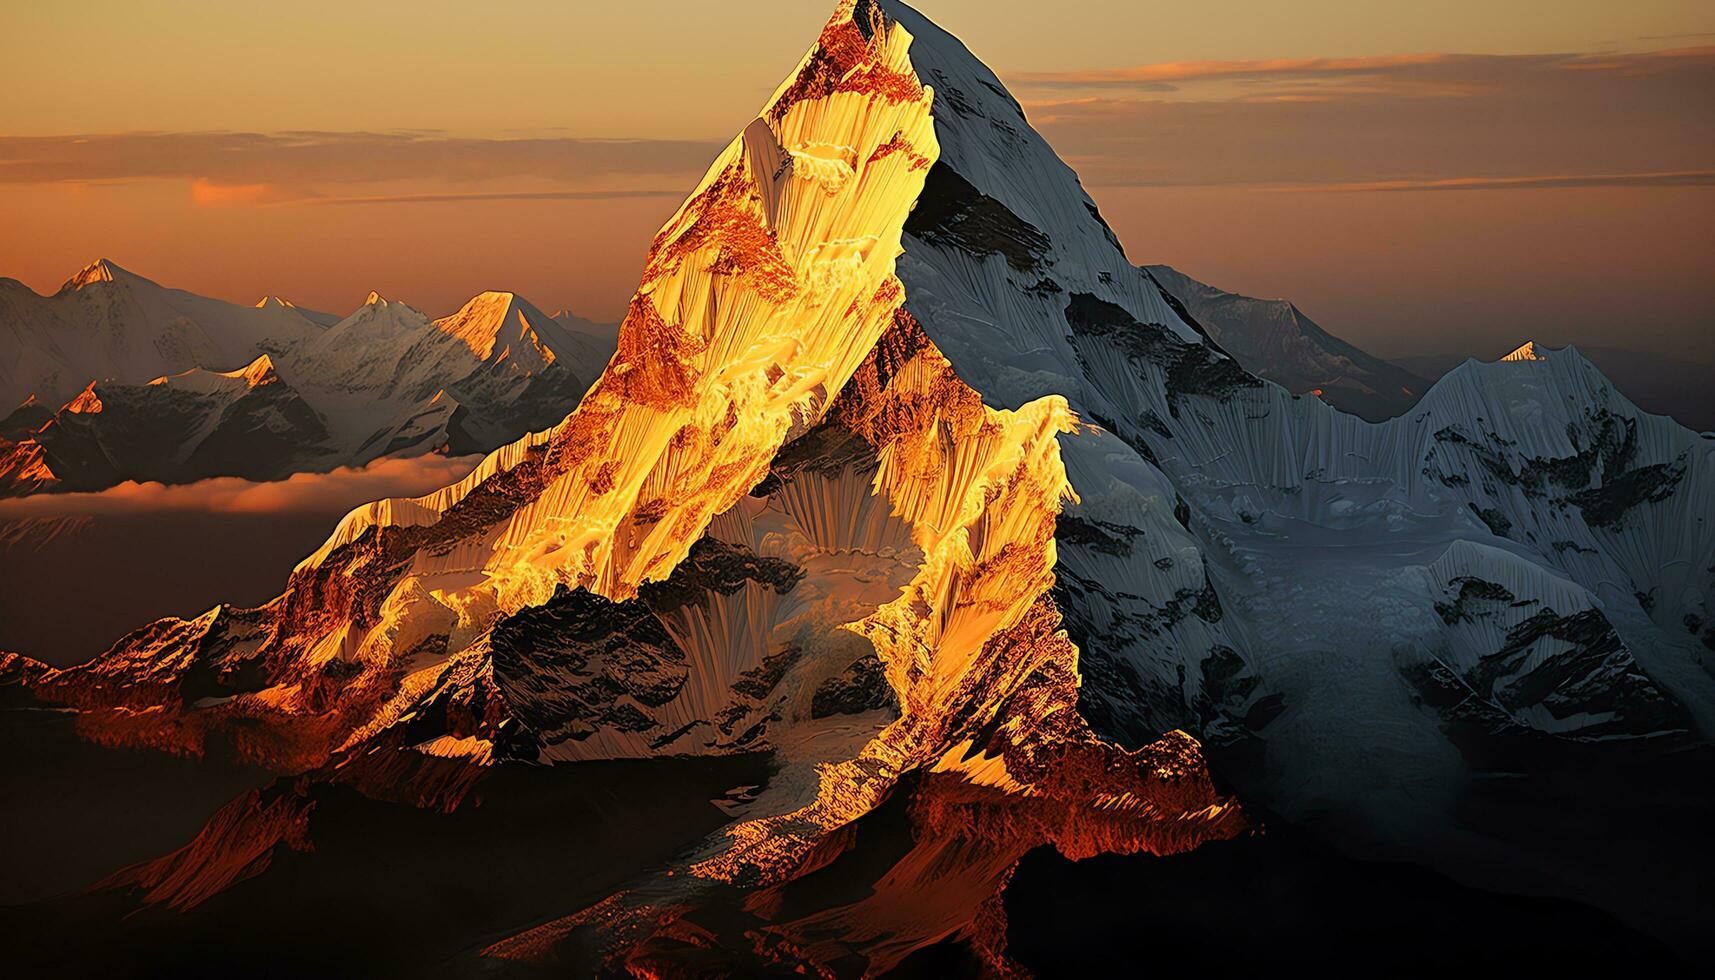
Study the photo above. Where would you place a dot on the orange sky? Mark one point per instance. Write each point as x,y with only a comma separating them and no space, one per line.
1418,176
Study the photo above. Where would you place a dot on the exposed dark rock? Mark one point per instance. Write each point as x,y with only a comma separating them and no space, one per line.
1596,676
1474,595
1497,521
862,687
715,566
1189,368
1605,505
1103,536
1107,230
563,665
954,214
759,681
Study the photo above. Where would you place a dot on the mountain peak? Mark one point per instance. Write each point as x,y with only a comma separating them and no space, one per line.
272,302
86,403
1529,351
480,323
258,372
376,299
101,270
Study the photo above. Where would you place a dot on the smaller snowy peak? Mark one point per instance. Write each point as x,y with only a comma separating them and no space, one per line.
101,270
86,403
1530,351
376,299
492,320
376,314
286,309
257,373
25,419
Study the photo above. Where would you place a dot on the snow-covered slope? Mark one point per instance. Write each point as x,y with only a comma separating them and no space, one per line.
384,381
1327,542
1273,339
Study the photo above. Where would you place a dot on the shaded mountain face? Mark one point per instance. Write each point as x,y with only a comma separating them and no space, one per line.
385,381
246,423
1273,339
903,480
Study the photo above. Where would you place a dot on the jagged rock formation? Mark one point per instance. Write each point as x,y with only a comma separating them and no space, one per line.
905,476
385,381
1273,339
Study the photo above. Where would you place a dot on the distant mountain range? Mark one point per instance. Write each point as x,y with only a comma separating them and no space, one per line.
118,378
1273,339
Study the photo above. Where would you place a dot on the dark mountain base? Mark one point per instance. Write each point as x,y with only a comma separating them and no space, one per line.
69,587
74,812
1625,831
1618,829
389,890
1283,900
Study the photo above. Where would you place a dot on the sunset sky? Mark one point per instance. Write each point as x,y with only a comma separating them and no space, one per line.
1420,177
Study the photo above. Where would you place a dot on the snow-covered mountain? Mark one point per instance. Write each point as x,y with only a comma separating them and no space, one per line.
1283,550
1274,340
106,323
496,368
905,476
384,381
246,423
1659,383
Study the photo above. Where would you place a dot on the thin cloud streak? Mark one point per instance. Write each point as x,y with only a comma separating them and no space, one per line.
1160,77
340,489
489,196
308,159
1686,178
1475,68
1677,178
1409,122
